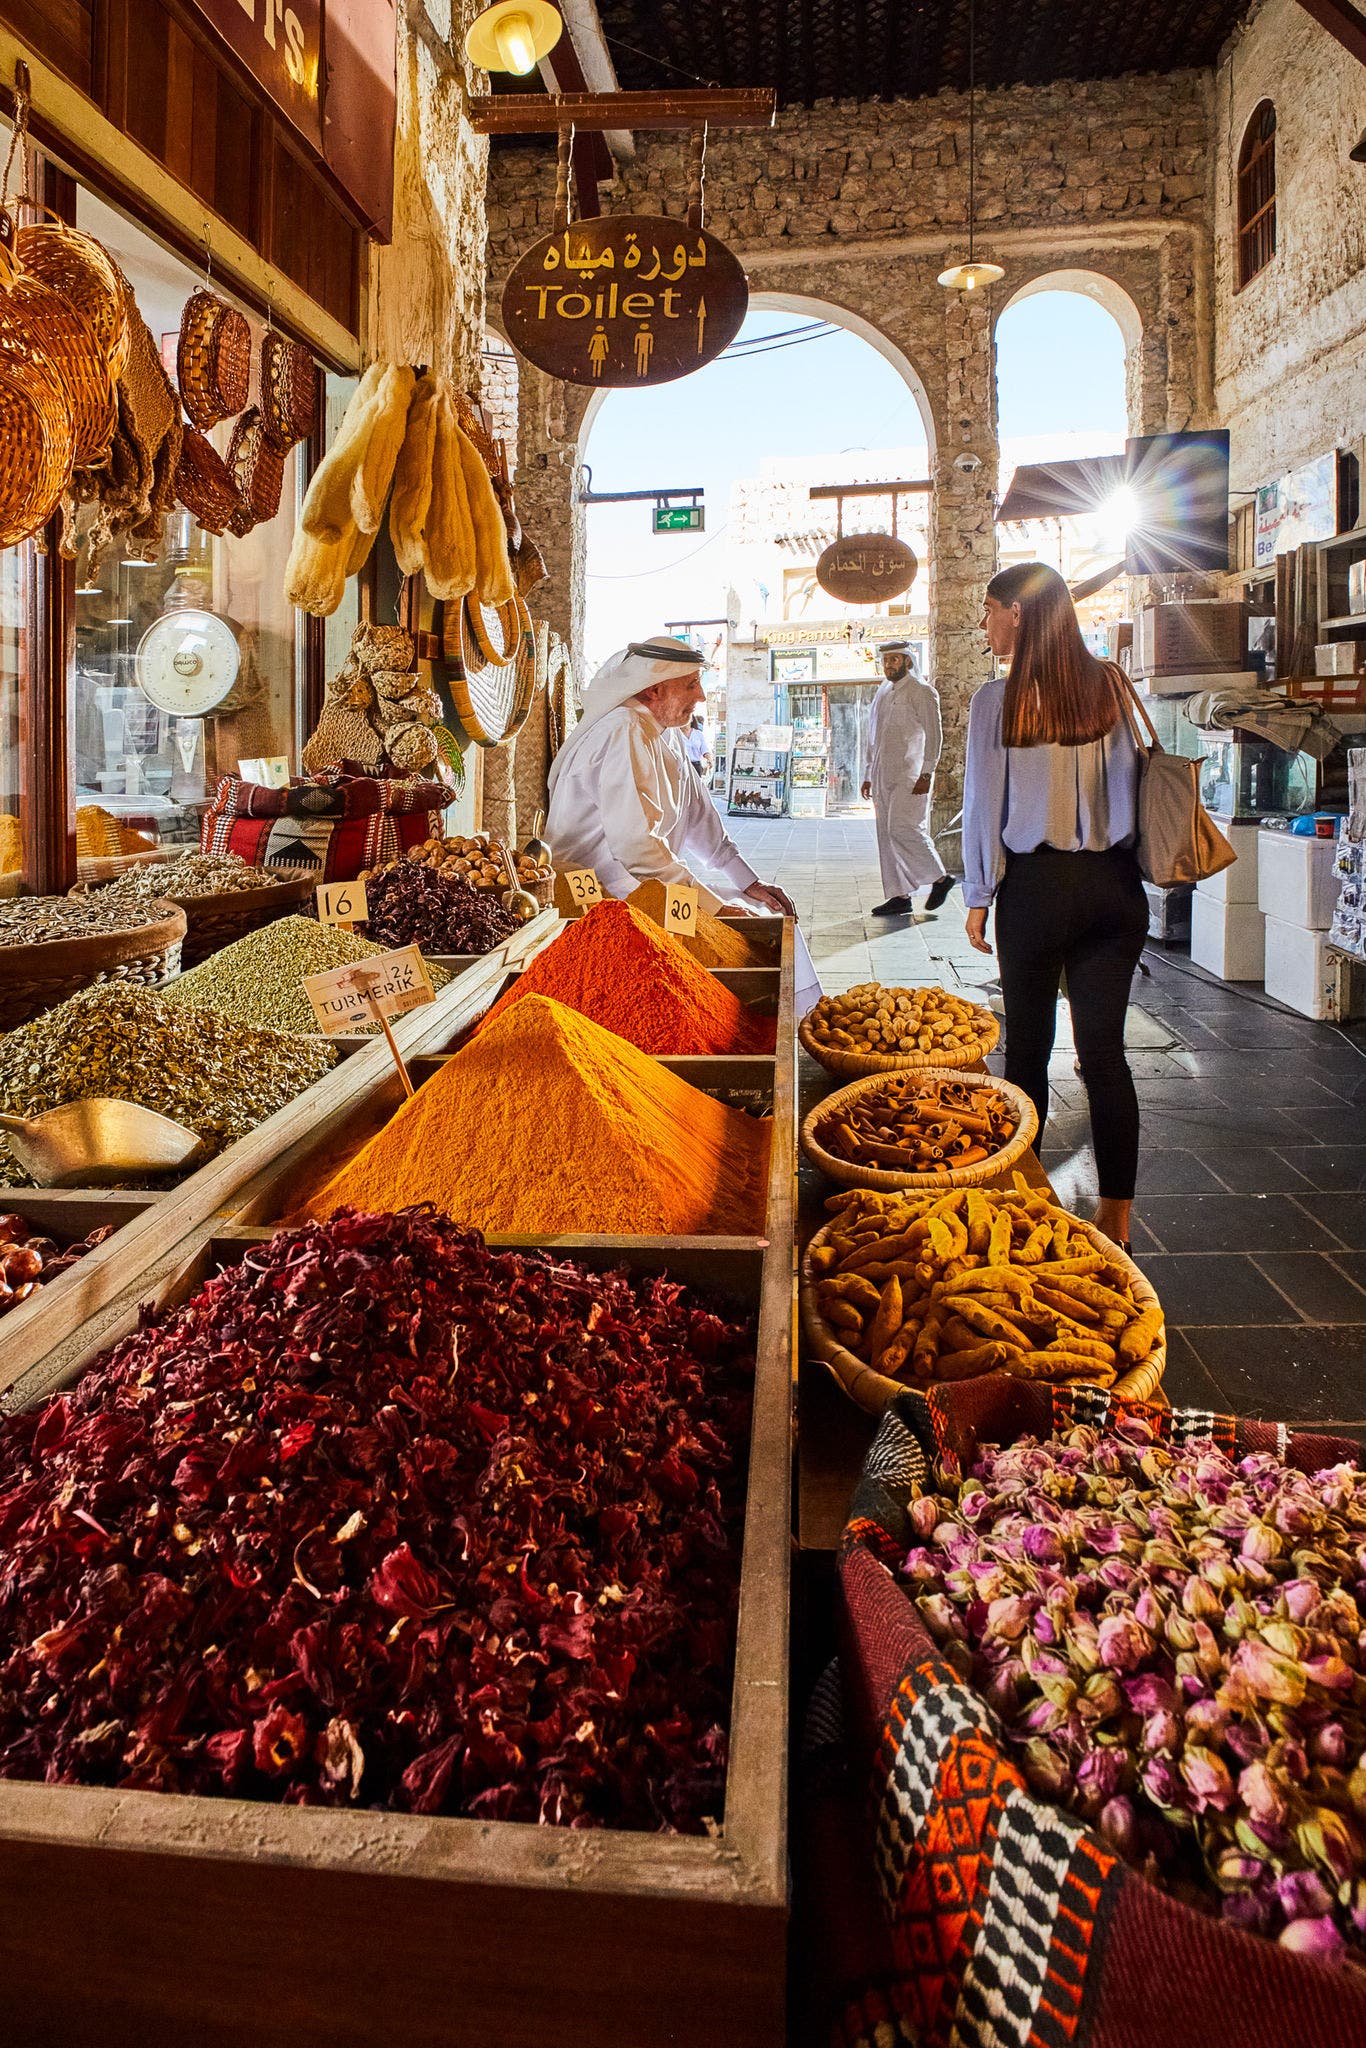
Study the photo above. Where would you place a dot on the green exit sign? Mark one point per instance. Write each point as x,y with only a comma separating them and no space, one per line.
680,519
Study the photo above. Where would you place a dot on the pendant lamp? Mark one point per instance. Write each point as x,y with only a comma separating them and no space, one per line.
513,36
971,276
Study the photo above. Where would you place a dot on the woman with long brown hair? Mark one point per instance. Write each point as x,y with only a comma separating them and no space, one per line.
1050,814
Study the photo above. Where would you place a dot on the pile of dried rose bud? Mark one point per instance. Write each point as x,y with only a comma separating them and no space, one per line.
383,1518
1173,1646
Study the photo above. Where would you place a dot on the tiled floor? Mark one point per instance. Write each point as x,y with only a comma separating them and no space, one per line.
1252,1184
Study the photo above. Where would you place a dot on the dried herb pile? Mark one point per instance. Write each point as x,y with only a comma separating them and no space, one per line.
381,1518
545,1122
620,969
208,1072
414,905
1174,1647
259,979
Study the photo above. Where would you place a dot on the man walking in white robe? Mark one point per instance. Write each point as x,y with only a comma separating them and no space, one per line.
905,736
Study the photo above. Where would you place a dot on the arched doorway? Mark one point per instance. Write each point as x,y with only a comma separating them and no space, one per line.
1067,347
809,395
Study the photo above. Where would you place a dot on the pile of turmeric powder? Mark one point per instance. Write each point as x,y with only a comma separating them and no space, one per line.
717,942
547,1123
620,969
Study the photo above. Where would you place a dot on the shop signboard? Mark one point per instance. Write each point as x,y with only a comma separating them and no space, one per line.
281,46
625,300
866,568
1296,508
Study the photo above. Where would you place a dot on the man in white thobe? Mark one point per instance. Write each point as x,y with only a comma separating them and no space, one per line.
905,736
626,801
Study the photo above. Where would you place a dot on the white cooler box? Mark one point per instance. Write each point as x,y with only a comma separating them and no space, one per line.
1295,879
1227,939
1299,972
1236,884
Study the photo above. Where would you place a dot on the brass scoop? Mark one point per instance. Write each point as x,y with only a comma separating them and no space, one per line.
515,898
88,1144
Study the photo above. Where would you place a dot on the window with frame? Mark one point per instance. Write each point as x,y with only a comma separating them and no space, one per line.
1257,194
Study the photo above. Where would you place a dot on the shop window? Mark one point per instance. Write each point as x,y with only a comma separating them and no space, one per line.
143,766
16,607
1257,194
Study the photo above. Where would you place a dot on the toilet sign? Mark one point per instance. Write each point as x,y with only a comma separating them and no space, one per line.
624,300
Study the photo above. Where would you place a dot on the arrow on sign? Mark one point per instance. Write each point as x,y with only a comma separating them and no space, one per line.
701,322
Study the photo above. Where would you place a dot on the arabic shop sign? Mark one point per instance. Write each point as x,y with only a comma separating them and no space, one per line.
624,300
866,568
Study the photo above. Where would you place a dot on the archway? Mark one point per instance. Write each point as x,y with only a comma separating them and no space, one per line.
1067,344
832,403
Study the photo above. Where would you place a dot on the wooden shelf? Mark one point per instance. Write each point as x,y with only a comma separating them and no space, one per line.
1350,619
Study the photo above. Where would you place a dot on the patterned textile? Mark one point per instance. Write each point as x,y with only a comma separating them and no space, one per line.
958,1910
335,824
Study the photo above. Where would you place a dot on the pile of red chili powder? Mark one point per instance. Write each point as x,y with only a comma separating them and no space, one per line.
381,1517
620,969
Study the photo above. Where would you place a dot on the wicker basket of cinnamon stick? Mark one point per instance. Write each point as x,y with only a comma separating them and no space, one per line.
920,1130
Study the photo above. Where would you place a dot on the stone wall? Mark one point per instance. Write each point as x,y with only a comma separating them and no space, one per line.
854,209
1288,357
427,285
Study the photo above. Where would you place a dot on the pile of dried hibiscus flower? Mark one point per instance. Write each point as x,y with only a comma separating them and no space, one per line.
384,1517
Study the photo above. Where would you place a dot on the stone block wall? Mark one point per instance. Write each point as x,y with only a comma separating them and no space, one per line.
852,210
1288,352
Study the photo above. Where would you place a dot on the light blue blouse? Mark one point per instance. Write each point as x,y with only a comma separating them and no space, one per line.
1077,799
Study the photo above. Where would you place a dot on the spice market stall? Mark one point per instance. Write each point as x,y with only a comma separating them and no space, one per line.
493,1928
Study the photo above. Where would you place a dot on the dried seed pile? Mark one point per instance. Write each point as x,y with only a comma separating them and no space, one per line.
383,1519
205,1071
1173,1645
29,920
259,979
187,875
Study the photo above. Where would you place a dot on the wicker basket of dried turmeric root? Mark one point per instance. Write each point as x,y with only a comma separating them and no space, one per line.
907,1290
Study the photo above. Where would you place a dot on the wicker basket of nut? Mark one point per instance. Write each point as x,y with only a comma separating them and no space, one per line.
479,861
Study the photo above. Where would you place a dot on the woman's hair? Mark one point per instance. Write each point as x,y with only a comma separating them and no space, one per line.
1057,692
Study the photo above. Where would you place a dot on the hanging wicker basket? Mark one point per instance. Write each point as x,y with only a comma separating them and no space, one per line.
257,468
874,1392
850,1175
204,484
493,699
41,327
853,1065
37,443
288,391
213,359
76,266
38,977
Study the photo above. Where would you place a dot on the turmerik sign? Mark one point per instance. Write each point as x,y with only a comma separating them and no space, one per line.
624,300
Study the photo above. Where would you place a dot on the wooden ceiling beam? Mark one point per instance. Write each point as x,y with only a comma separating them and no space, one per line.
1343,22
532,113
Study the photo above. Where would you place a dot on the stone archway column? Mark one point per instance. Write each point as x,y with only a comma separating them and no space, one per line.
549,423
963,555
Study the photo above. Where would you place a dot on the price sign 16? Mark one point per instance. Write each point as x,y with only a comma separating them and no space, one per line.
584,887
680,911
342,903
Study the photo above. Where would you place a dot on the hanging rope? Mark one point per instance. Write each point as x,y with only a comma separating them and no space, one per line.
972,130
563,162
697,178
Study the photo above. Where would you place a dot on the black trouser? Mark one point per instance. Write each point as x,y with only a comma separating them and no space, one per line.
1085,915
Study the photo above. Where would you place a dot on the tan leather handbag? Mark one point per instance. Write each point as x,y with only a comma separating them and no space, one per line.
1178,841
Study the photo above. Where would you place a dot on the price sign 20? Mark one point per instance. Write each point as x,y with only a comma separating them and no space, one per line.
680,911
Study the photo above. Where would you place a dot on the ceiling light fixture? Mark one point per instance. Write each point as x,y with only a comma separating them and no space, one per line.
972,275
513,36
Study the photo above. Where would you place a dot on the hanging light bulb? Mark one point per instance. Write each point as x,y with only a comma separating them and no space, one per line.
971,276
513,36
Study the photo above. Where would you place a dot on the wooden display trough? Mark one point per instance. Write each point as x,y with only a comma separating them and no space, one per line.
132,1919
152,1221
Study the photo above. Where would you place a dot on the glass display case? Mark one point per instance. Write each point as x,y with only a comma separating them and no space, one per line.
1243,777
